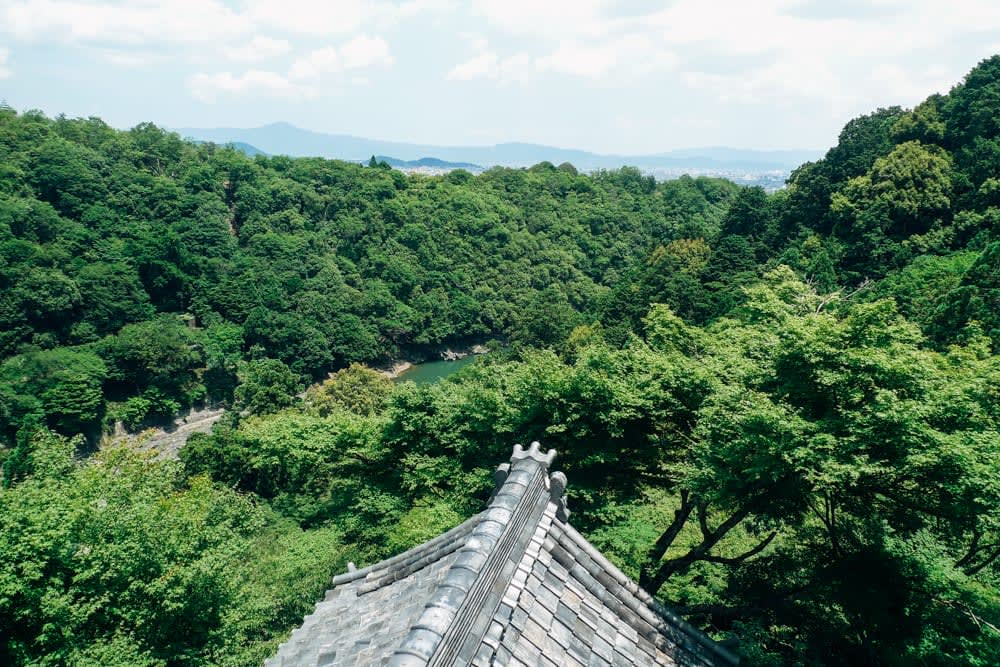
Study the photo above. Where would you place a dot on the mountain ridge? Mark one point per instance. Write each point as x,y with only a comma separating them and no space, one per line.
283,138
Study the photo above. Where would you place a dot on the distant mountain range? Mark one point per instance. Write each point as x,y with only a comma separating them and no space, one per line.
427,163
286,139
241,146
246,148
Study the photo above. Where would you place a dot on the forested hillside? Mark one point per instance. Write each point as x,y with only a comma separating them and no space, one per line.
780,413
139,271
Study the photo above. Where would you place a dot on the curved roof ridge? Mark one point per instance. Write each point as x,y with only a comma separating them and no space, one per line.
454,611
413,554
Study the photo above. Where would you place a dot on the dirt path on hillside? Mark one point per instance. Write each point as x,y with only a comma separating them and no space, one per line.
167,442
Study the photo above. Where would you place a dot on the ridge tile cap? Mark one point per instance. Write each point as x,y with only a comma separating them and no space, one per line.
534,452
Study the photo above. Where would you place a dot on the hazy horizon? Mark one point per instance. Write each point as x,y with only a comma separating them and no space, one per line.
765,149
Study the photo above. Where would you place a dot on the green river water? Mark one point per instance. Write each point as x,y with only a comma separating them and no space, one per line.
432,371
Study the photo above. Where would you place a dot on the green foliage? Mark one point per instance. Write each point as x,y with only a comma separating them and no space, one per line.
778,411
158,354
923,124
121,561
302,463
113,238
974,302
265,385
356,389
41,453
806,440
61,387
904,194
223,347
149,408
923,288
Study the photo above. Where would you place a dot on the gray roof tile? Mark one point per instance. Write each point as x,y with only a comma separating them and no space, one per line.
514,586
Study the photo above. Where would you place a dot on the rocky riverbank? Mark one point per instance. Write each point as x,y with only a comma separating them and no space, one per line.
397,367
393,370
449,354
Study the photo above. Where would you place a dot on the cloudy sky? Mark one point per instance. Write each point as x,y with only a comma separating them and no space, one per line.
633,76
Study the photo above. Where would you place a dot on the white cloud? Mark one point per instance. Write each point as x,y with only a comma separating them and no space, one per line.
312,17
252,83
630,55
316,63
517,67
4,70
846,60
324,18
626,56
416,7
75,21
548,18
476,41
258,49
909,86
145,22
128,58
590,41
761,52
358,53
365,51
780,83
487,65
481,66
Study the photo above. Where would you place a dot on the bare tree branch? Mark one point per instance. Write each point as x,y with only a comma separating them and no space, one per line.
961,606
665,541
974,549
830,298
696,553
742,557
989,560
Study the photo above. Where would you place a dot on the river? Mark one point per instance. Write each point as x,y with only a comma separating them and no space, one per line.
432,371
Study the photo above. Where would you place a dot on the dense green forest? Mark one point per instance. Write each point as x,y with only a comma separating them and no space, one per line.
778,412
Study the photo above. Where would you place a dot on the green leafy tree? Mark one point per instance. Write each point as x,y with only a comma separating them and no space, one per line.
905,193
223,345
65,175
158,353
923,124
121,561
61,387
111,296
265,385
545,320
975,301
357,389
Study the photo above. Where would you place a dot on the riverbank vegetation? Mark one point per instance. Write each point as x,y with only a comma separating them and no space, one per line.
778,412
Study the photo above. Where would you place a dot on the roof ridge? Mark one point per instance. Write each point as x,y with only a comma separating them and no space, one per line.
414,553
513,584
452,615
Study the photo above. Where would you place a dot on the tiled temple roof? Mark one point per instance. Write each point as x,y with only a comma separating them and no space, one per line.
514,585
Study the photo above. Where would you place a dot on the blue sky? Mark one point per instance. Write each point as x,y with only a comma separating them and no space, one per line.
635,76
